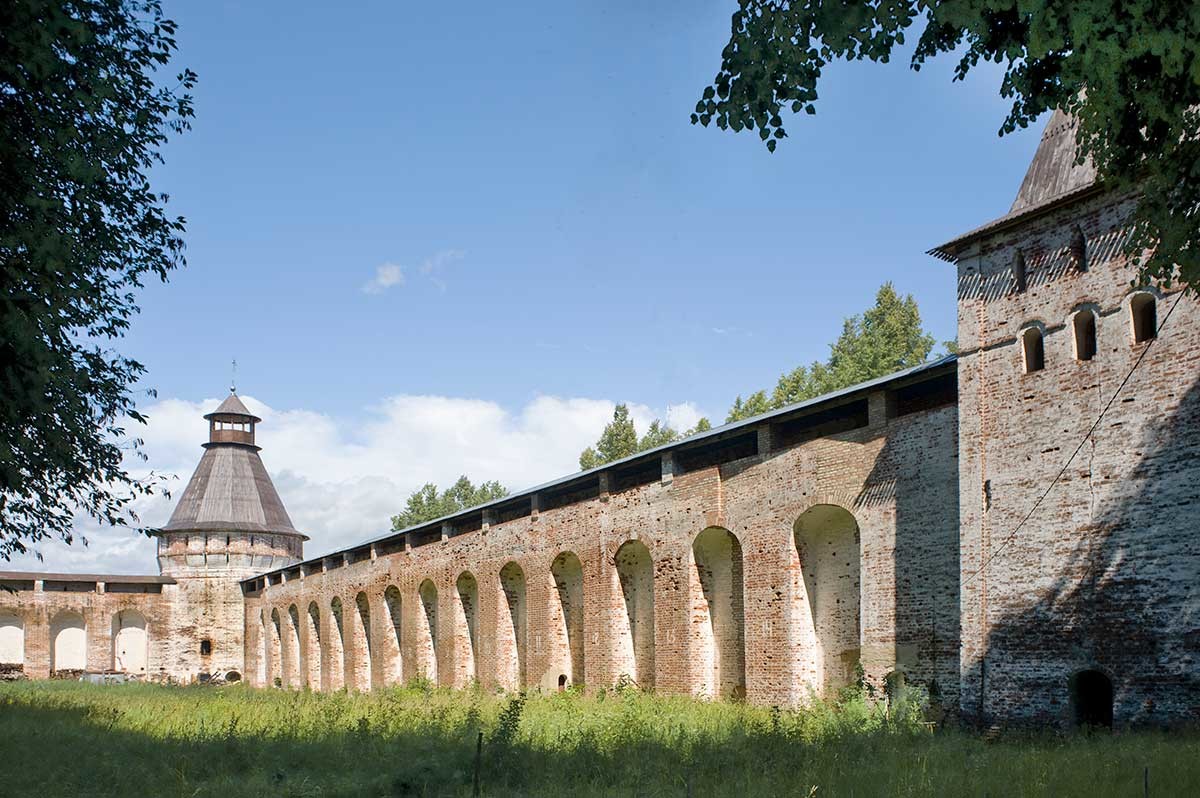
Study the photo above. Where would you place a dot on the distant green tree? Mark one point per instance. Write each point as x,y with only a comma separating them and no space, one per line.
620,439
84,113
886,338
658,434
426,503
753,405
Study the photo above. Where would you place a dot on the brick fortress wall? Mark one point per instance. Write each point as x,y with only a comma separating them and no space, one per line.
683,572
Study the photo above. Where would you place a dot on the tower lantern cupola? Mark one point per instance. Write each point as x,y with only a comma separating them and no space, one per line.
231,422
229,520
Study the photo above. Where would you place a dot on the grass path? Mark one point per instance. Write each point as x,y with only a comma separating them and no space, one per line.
70,739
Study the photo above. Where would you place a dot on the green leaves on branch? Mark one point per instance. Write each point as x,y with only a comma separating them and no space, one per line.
1129,72
619,439
83,117
427,503
885,339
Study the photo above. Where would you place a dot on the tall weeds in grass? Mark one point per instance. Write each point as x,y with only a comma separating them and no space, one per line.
64,739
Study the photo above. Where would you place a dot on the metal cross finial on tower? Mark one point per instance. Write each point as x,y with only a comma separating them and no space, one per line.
233,378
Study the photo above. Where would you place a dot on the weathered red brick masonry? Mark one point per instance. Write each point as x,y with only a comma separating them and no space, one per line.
922,526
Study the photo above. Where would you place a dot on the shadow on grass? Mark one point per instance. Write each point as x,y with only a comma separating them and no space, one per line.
642,747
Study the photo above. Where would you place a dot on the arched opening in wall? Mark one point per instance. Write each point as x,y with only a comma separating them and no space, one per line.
466,641
718,612
1143,310
336,660
68,642
206,648
393,667
314,651
567,572
635,633
130,642
299,669
12,640
362,643
894,685
827,544
1084,324
511,648
427,637
1033,348
279,667
1092,700
263,667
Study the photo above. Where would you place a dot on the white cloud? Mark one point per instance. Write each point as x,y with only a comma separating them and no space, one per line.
386,276
342,478
683,417
434,267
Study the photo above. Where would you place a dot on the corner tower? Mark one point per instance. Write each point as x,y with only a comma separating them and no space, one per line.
229,524
1079,460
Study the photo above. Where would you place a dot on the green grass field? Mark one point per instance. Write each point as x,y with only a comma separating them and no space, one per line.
70,739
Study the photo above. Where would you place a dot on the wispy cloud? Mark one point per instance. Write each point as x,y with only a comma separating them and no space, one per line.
386,276
433,267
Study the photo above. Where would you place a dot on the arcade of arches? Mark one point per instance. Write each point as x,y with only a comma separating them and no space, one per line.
640,613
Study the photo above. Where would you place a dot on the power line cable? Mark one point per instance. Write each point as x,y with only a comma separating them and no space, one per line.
1012,535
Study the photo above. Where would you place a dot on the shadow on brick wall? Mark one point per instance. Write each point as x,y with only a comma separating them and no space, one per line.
1124,598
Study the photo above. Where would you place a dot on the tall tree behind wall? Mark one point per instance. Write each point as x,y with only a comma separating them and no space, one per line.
427,503
885,339
82,122
619,439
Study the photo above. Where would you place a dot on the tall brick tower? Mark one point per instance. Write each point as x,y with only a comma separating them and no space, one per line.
1079,445
229,524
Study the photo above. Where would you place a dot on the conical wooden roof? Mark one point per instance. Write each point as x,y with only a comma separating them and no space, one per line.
1053,178
1053,173
230,489
232,406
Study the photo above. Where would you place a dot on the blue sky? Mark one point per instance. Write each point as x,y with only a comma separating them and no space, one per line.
546,222
608,247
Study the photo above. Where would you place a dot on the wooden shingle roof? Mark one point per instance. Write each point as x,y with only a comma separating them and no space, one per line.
1053,172
1053,179
232,406
230,489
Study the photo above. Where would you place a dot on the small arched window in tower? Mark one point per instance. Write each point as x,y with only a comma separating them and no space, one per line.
1078,250
1085,335
1092,700
1144,310
1020,280
205,648
1034,349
